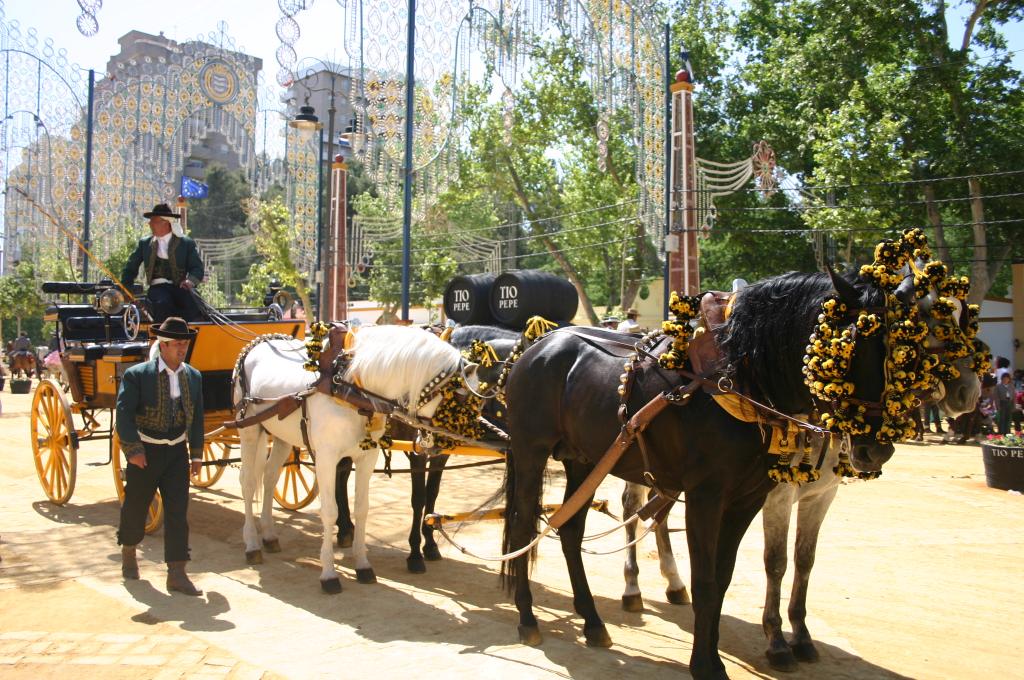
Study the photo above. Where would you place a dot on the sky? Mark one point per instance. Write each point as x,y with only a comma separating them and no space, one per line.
250,23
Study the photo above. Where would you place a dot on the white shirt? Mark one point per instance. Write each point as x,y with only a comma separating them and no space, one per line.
173,376
628,326
162,244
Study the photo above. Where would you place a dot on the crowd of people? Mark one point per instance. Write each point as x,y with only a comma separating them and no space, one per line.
1000,410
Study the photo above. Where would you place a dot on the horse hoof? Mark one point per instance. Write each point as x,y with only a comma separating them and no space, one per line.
331,586
431,553
345,539
529,635
272,545
253,557
804,651
415,565
782,660
633,603
678,596
597,637
366,575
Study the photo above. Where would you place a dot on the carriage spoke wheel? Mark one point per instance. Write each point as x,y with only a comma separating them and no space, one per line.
296,486
54,447
209,474
118,463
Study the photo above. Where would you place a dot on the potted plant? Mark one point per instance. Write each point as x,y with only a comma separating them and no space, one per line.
21,383
1003,456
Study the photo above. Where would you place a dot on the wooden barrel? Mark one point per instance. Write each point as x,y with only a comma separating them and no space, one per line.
466,299
1004,467
518,295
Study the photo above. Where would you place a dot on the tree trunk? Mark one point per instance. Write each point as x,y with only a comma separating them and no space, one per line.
560,258
935,219
980,280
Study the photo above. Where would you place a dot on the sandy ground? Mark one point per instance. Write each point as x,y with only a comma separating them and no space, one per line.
917,575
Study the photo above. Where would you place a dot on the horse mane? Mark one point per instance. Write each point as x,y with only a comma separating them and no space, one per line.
396,361
766,335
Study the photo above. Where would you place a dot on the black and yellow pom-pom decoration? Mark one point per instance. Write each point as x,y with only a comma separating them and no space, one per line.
684,308
536,327
482,353
384,443
458,415
315,345
908,365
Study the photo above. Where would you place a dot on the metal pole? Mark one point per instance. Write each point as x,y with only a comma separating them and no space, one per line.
87,216
668,159
325,244
410,90
319,224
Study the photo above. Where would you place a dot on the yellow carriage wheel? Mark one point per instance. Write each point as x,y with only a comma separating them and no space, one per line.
296,486
54,446
209,474
117,464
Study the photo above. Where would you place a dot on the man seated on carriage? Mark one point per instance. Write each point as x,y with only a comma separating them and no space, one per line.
173,267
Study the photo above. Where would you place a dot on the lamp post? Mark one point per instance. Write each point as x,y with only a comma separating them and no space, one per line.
307,120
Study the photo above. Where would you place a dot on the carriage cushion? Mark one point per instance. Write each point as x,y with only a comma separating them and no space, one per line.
86,353
130,349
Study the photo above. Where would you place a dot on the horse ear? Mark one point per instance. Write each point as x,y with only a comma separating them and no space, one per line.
847,293
905,292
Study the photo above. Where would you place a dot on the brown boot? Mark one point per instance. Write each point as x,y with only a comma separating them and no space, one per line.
129,565
178,581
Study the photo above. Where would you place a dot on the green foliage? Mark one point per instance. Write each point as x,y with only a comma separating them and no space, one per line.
256,284
222,213
20,296
274,237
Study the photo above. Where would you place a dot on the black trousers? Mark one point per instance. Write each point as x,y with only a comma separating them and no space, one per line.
166,299
167,469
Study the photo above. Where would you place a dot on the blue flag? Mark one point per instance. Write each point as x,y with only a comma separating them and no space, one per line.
191,188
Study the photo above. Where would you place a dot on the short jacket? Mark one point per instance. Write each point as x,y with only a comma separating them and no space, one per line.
143,406
181,252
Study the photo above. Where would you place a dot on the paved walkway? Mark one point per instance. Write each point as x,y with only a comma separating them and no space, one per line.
916,577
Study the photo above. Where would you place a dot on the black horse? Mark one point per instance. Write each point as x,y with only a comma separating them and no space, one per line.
563,402
426,470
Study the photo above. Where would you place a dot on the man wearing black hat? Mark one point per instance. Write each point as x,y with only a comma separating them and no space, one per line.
173,267
159,411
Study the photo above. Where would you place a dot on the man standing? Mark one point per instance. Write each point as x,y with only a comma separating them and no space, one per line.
159,409
630,325
173,267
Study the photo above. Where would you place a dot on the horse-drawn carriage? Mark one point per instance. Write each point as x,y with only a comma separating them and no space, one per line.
100,337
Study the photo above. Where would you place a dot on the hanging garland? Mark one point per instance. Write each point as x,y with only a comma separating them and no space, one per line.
685,308
315,345
908,366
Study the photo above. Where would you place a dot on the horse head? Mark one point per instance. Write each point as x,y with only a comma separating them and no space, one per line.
867,373
959,387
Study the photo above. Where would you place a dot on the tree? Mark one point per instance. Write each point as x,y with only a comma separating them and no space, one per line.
274,237
19,293
877,125
222,214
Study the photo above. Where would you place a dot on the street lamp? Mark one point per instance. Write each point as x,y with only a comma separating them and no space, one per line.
306,119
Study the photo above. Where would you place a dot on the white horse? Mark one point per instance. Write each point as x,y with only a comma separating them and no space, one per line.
393,362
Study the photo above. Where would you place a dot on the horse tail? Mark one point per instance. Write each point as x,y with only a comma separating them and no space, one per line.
510,568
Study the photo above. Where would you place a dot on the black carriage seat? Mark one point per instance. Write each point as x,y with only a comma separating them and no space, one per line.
85,353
